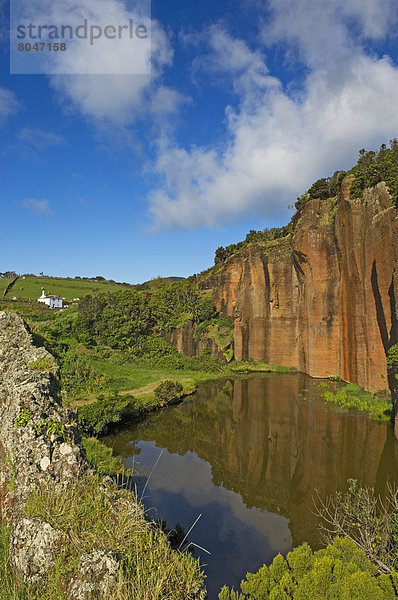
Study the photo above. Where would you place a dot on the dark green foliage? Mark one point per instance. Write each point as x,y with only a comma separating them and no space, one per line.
114,320
78,376
168,391
120,320
174,305
392,357
324,188
339,572
220,255
374,167
268,235
301,201
327,187
96,418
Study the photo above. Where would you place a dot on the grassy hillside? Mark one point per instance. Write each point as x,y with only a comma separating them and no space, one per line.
67,288
3,284
30,288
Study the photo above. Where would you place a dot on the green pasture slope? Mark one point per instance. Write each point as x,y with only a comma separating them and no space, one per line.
3,284
66,288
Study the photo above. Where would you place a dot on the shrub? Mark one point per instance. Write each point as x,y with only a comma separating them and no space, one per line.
374,167
107,410
78,376
371,523
339,572
168,391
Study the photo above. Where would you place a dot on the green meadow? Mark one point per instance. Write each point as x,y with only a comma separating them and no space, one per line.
3,284
66,288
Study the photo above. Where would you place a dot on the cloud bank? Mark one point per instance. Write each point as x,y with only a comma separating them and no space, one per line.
279,140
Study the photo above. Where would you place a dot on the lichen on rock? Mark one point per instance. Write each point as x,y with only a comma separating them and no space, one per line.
42,468
34,548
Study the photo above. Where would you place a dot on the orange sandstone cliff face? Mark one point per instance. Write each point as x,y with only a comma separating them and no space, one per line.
325,300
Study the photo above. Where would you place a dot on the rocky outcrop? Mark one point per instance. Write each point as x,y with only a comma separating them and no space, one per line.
189,344
39,444
39,441
40,450
323,300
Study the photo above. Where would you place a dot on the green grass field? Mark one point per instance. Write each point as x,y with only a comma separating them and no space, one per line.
140,381
66,288
3,284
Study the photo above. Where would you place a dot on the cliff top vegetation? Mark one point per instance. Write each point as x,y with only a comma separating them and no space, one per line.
372,168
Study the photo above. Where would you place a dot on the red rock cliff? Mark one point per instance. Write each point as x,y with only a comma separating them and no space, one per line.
323,300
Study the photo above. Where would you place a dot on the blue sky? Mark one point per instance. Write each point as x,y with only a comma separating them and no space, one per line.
131,177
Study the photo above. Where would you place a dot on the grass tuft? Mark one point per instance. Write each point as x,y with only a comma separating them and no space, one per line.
42,364
101,458
92,516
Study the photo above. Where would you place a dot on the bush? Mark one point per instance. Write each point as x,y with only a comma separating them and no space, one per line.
339,572
78,376
361,515
168,391
374,167
96,418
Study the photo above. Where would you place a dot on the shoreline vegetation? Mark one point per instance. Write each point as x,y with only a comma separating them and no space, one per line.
109,383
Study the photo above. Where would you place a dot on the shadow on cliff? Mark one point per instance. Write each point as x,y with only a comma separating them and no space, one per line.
388,338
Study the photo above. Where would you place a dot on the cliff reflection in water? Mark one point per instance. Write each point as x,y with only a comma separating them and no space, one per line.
273,441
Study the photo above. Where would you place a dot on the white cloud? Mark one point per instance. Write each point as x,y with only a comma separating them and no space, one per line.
41,207
277,143
328,31
114,81
8,103
39,139
118,98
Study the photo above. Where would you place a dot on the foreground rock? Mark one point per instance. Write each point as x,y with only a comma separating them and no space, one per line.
33,425
40,450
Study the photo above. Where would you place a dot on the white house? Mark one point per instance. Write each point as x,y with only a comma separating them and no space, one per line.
51,301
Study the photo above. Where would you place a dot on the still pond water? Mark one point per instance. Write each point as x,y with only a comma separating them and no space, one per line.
247,455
